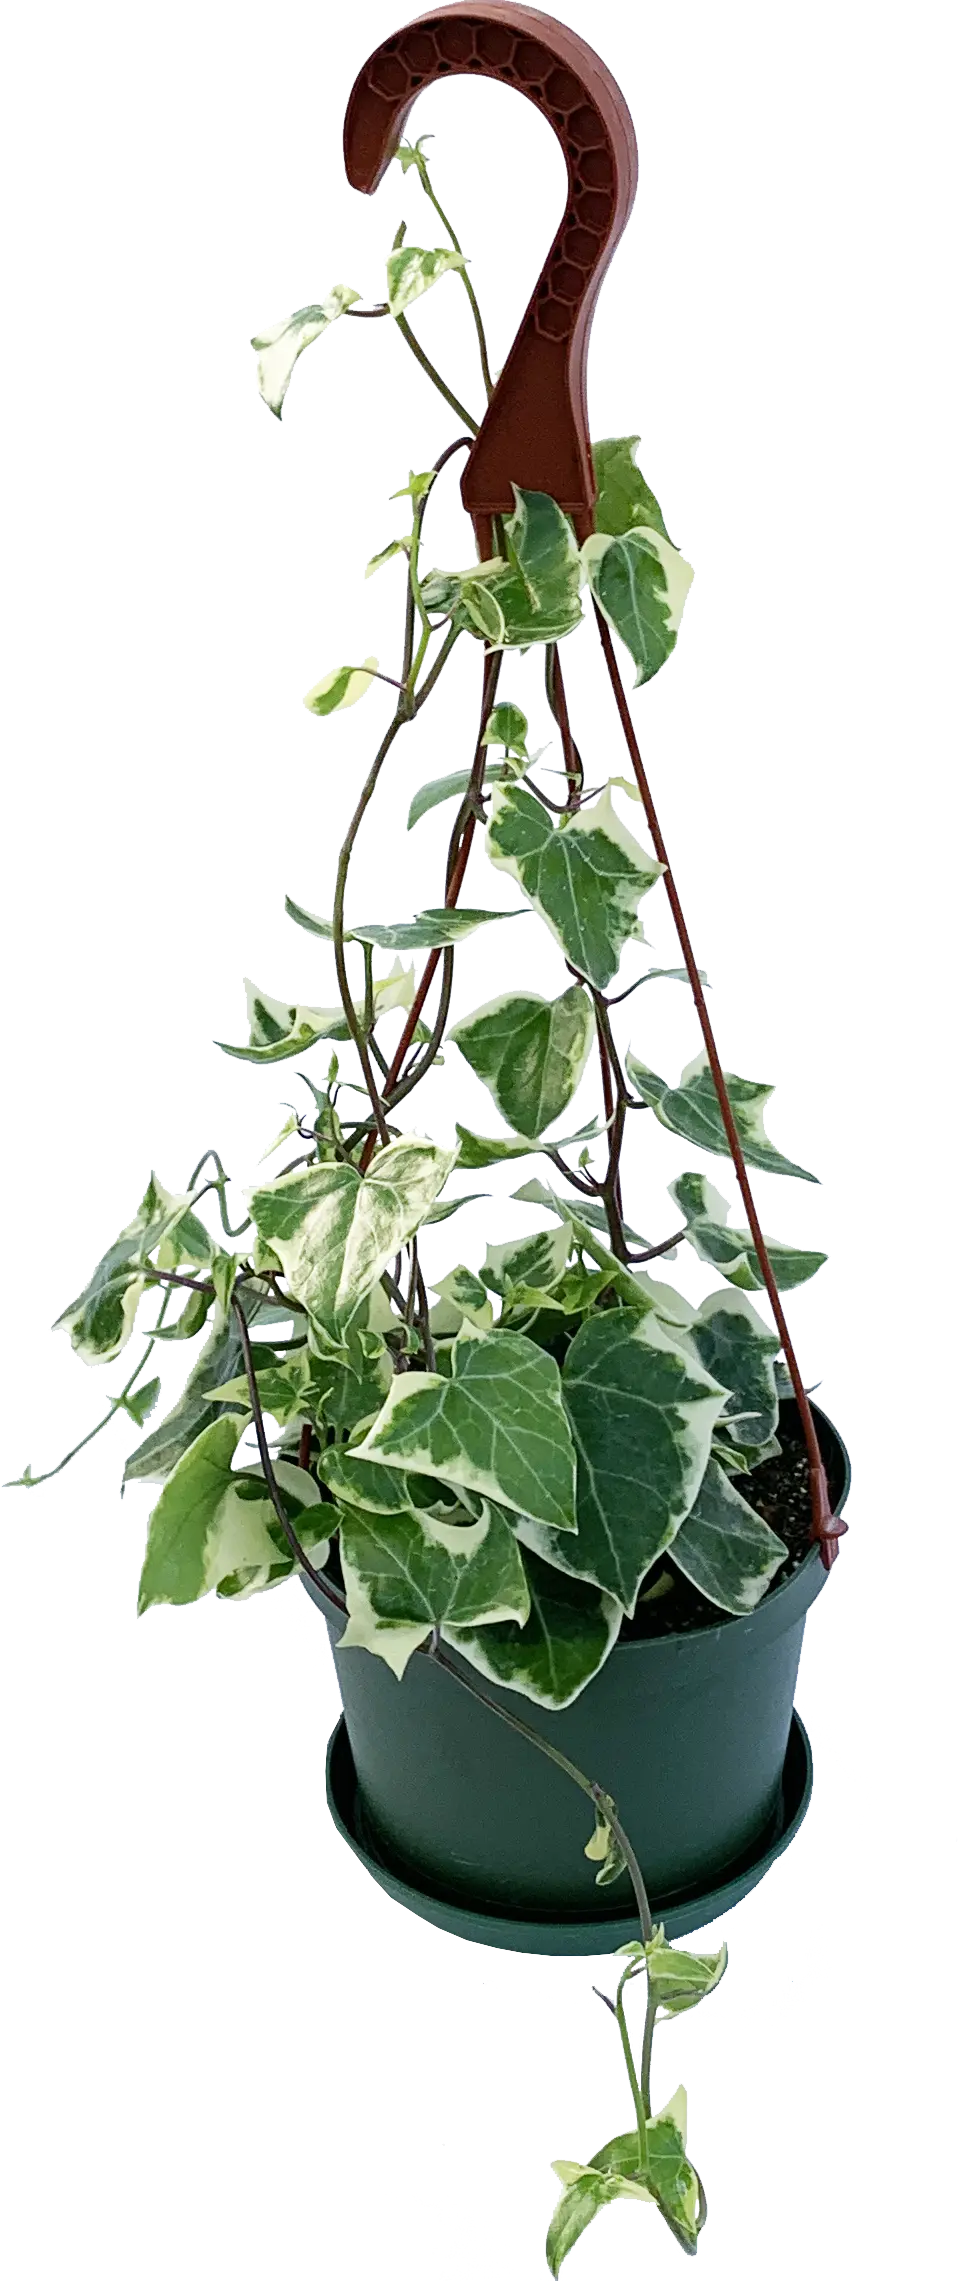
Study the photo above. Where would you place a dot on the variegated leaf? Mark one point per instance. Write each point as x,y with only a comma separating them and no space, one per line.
219,1362
691,1109
585,875
537,592
468,1298
537,1261
313,1521
411,270
278,1032
386,553
429,930
586,1208
476,1150
640,582
450,788
341,688
507,725
370,1488
100,1320
210,1524
495,1426
731,1250
531,1052
570,1632
642,1411
335,1232
408,1573
739,1350
726,1547
624,501
282,344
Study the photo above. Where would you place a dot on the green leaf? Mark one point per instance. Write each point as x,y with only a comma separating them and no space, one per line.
449,788
412,154
192,1319
669,2181
467,1296
449,1205
395,548
640,582
634,1289
308,920
573,2212
282,344
642,1412
278,1031
536,1262
341,688
476,1150
100,1321
726,1547
681,1979
200,1529
691,1109
429,930
141,1401
495,1426
411,270
507,725
585,875
537,591
313,1521
570,1632
531,1052
219,1361
369,1488
335,1232
624,501
224,1273
408,1573
586,1209
735,1345
731,1250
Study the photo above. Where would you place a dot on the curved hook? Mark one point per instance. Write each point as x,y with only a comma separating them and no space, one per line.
535,431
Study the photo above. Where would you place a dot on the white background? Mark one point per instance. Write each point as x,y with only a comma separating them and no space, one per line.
226,2055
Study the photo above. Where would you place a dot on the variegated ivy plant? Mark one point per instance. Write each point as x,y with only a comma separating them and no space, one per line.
505,1457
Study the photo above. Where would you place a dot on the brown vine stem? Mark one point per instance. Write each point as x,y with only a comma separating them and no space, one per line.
298,1551
826,1525
492,667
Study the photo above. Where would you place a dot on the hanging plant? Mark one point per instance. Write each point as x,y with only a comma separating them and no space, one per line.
493,1471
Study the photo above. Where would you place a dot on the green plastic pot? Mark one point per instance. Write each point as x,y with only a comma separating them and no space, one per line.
463,1821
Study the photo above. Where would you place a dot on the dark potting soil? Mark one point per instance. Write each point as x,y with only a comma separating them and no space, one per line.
778,1490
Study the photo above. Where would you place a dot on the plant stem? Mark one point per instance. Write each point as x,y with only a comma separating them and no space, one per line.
315,1575
339,901
640,2098
827,1528
436,377
117,1402
487,379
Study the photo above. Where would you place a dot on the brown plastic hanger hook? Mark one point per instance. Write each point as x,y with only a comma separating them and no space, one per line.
535,431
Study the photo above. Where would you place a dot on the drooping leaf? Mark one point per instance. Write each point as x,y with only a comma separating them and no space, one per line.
100,1321
429,930
586,1208
578,2206
669,2179
642,1412
733,1343
537,1261
341,688
640,582
604,1847
277,1031
585,875
476,1150
726,1547
191,1320
570,1631
386,553
691,1109
141,1401
203,1529
731,1250
537,590
411,270
445,1209
335,1232
219,1361
624,501
408,1573
531,1052
309,920
495,1426
679,1977
450,788
280,346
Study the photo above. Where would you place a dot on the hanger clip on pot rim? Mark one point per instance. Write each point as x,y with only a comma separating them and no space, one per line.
496,1478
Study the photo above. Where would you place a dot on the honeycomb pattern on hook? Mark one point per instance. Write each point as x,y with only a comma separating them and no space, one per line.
425,52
